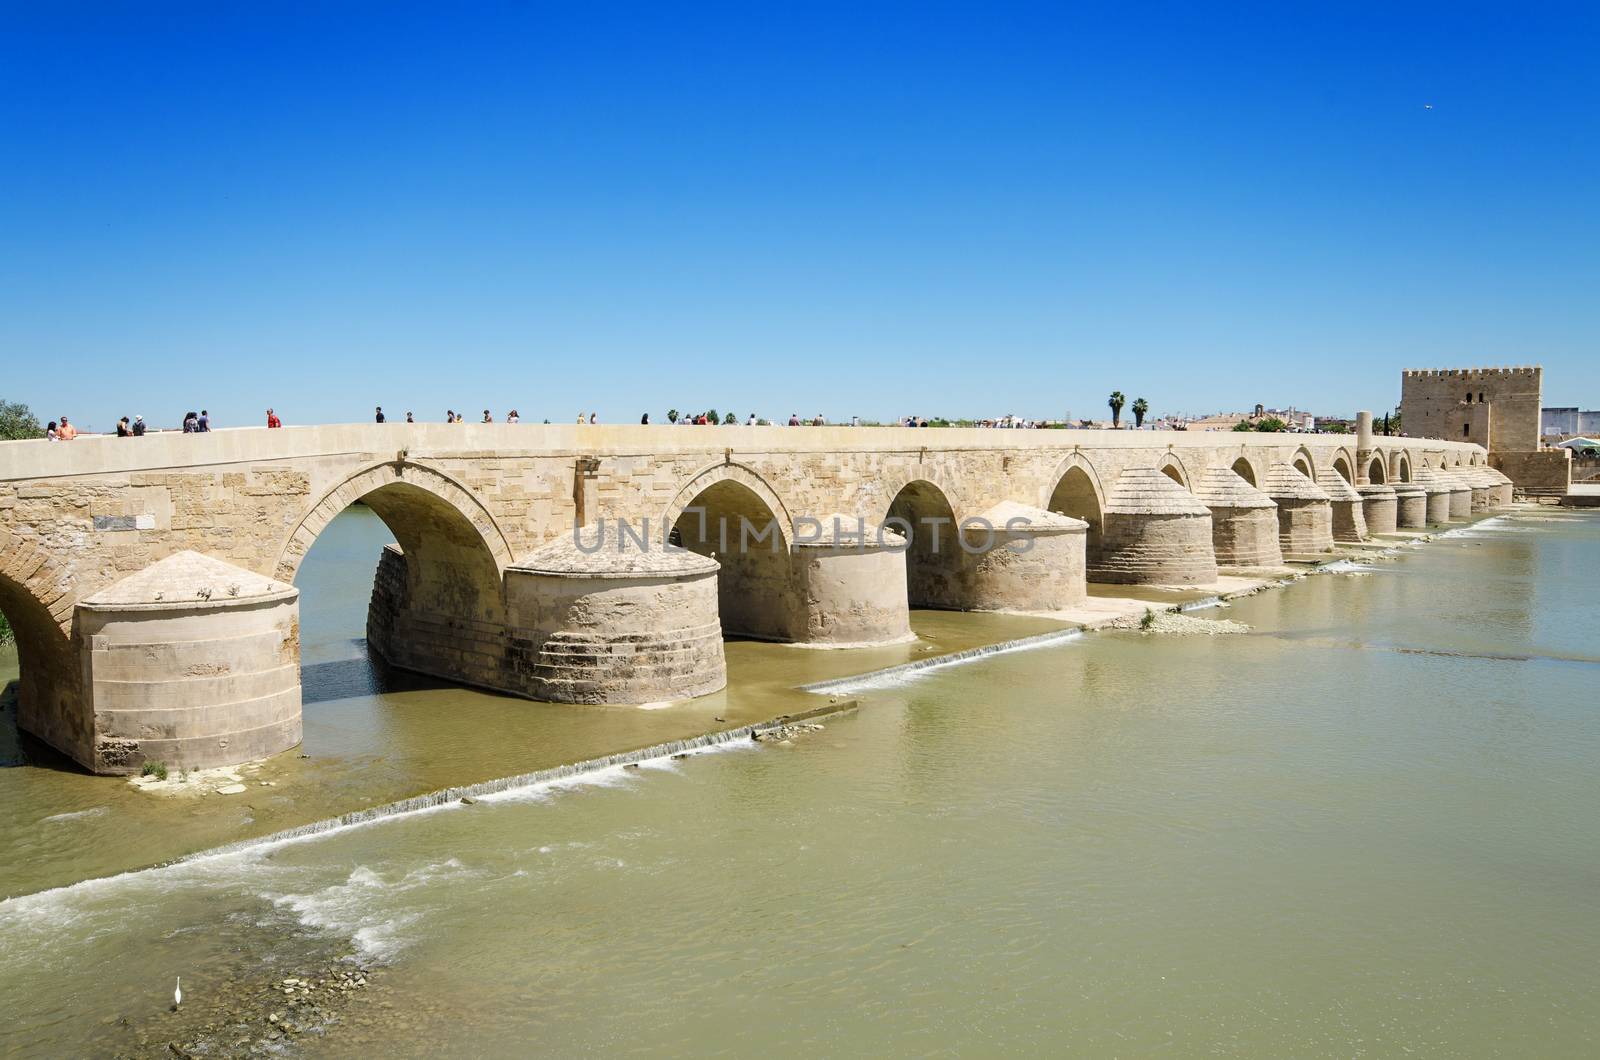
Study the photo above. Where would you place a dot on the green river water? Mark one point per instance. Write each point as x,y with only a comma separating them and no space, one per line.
1368,827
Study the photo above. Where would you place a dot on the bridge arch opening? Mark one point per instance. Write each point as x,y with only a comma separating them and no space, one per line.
733,524
39,666
1304,464
1173,469
933,552
440,563
39,657
1076,494
1377,473
1341,466
1244,470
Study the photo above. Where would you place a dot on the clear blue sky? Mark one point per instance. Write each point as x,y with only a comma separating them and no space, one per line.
858,209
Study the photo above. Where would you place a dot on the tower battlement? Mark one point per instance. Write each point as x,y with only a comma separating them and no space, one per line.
1471,373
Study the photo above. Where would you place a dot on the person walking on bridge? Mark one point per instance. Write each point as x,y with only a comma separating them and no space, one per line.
66,432
379,417
122,428
486,417
272,420
138,427
203,424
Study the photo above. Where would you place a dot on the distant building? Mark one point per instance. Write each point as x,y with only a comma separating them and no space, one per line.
1565,423
1227,421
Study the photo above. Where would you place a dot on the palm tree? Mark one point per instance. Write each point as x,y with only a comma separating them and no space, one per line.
672,415
1140,407
1116,402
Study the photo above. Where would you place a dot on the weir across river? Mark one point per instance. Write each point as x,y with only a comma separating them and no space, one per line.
150,581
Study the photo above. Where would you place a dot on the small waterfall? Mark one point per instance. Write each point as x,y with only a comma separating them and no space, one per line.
447,796
439,799
895,674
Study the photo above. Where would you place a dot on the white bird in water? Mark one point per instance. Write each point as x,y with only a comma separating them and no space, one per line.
1427,106
177,994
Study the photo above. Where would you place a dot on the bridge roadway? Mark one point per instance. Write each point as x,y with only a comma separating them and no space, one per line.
150,581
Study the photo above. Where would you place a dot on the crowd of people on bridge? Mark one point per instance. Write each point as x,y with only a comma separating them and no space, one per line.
200,422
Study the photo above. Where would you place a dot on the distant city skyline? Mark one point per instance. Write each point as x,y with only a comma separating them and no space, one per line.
876,212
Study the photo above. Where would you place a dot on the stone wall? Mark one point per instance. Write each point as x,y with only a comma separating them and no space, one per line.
1546,473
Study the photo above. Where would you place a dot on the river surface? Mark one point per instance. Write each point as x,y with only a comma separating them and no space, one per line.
1368,827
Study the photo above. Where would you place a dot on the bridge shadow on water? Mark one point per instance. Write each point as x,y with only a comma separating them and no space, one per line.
363,675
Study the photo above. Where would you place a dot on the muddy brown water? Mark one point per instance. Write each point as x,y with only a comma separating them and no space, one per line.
1367,827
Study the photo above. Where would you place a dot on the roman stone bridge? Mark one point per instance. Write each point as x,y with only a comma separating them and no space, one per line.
149,581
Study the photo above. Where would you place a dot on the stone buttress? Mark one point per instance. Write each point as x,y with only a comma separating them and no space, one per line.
1379,507
614,625
1244,521
1305,514
1438,494
1154,532
1349,519
1022,558
850,584
1411,506
193,663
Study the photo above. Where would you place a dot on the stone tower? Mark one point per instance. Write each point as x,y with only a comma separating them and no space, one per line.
1497,408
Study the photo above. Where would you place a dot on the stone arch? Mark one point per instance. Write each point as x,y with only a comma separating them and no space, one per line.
1173,467
1245,470
1377,473
748,477
924,512
1075,490
1304,462
729,513
1344,465
455,554
1400,465
38,598
928,474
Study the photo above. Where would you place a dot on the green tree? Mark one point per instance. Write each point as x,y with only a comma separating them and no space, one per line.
18,421
1116,402
729,420
1338,428
712,417
672,415
1272,425
1140,408
1244,425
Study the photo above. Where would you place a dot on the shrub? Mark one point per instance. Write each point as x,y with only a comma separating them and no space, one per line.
155,769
